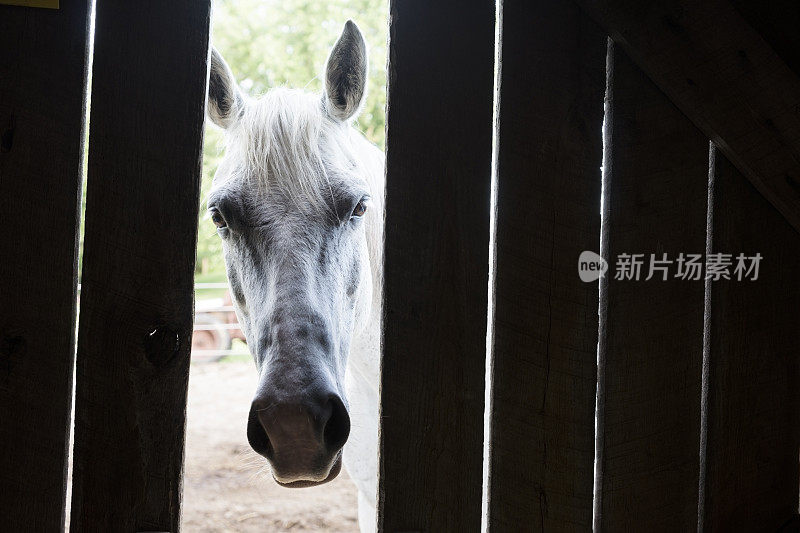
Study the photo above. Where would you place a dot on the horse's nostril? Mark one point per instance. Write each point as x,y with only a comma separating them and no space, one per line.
337,427
298,436
257,435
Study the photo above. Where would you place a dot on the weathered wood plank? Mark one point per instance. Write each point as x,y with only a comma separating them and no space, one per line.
148,98
42,90
722,74
436,265
545,320
754,358
656,186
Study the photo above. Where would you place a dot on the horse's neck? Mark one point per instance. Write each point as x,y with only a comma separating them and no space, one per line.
364,360
373,161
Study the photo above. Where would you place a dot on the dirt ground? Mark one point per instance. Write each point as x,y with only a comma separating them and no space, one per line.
227,487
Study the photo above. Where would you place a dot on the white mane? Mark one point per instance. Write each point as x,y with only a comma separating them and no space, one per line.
284,139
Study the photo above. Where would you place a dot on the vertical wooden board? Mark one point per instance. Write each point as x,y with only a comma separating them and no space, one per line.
545,319
657,192
754,412
439,140
43,57
148,98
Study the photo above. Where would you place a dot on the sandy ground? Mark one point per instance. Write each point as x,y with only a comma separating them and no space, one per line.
227,486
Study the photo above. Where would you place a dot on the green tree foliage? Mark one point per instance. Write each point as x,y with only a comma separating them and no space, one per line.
271,43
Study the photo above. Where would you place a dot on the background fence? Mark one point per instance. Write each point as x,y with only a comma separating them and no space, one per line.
653,405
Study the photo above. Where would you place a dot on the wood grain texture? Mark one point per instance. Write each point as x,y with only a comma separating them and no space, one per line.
656,186
42,91
439,145
725,77
545,320
754,339
148,98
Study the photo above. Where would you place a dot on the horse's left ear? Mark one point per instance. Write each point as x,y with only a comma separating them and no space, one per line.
346,74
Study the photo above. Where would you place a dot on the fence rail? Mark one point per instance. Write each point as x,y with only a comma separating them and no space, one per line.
217,324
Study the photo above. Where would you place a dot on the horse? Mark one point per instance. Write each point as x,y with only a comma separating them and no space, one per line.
298,203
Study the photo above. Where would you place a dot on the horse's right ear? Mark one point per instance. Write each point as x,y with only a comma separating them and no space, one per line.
225,100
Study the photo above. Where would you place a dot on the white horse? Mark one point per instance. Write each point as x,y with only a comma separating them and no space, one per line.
297,201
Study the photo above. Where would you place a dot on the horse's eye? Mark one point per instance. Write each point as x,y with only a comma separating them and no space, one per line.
217,219
360,209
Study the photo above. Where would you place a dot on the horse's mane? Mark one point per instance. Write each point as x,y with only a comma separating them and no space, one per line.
285,140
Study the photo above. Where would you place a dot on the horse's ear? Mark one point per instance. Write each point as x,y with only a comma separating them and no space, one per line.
346,74
225,101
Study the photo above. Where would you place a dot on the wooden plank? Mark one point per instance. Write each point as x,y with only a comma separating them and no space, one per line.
148,98
545,318
722,74
754,353
656,186
42,91
439,142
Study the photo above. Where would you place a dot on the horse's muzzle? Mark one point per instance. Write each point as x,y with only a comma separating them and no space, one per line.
301,437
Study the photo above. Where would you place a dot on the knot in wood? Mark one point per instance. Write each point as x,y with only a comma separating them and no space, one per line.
162,344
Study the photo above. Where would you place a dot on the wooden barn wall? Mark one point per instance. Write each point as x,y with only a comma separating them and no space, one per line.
655,186
439,137
732,69
43,57
724,75
148,98
552,84
753,361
